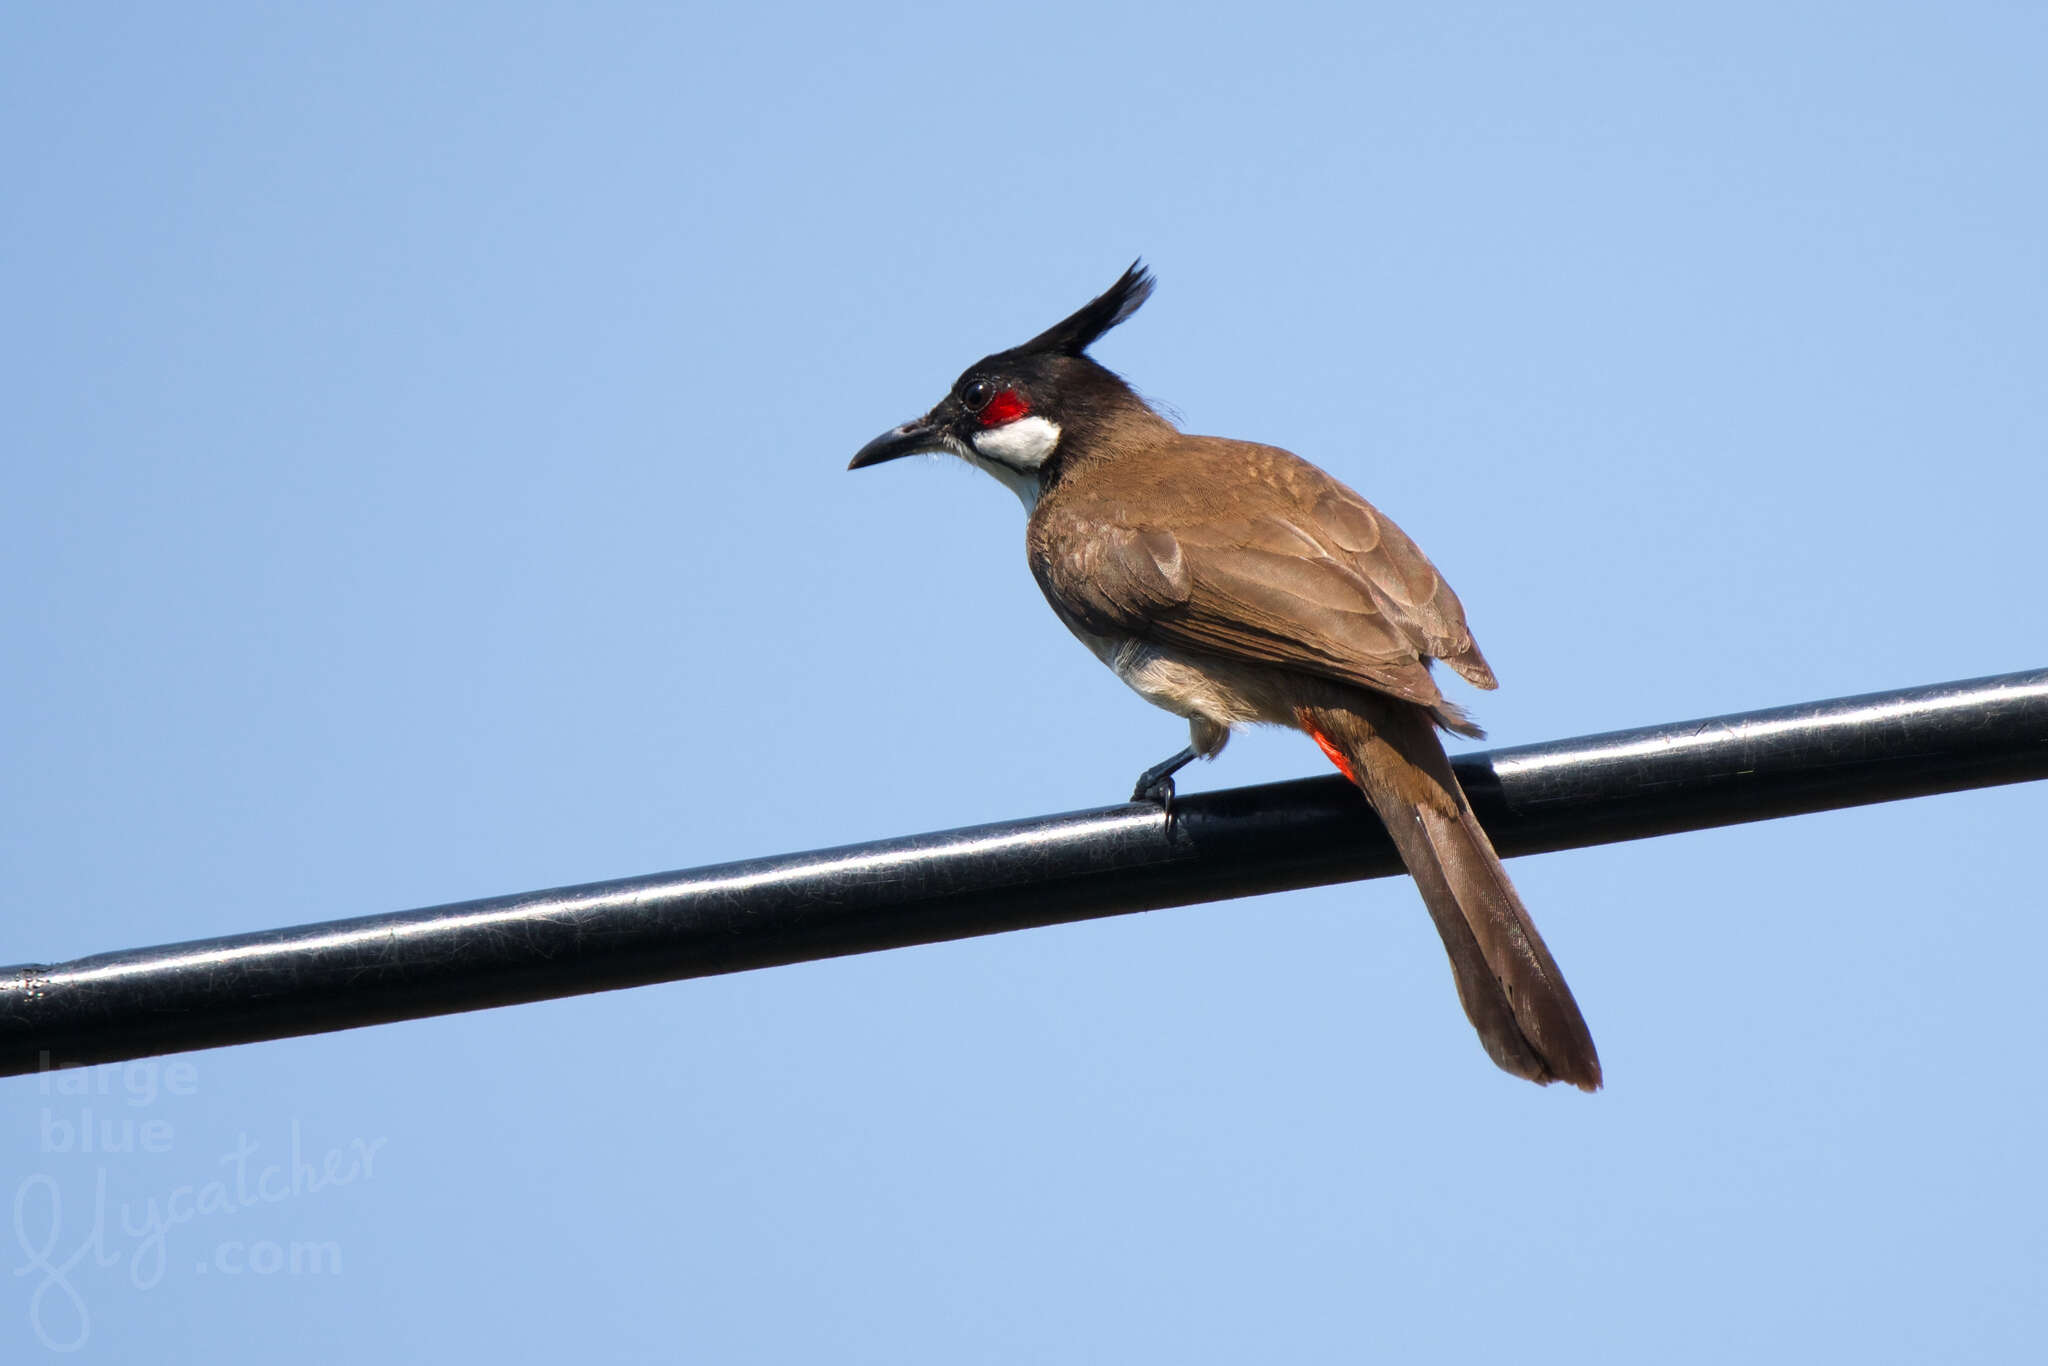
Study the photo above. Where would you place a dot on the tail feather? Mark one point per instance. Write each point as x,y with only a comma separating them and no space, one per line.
1507,981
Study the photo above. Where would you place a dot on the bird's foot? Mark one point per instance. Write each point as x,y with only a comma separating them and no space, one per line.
1159,791
1155,784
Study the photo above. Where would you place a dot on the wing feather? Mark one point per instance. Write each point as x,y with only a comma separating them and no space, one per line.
1295,570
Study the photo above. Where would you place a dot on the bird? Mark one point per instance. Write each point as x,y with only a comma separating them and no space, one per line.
1235,583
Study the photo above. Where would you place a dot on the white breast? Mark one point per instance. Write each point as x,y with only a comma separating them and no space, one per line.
1024,483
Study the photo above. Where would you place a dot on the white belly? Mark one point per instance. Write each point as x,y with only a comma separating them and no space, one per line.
1199,688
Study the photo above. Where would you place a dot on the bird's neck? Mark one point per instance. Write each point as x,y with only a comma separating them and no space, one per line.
1116,433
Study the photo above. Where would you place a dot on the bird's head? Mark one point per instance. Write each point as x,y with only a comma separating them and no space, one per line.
1010,412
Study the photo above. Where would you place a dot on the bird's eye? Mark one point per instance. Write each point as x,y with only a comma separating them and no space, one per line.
976,394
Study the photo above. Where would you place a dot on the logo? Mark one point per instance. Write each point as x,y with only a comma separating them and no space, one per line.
112,1204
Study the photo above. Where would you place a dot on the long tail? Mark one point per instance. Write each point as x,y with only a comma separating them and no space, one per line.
1507,981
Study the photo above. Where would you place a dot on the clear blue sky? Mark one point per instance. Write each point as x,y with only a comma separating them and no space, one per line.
424,435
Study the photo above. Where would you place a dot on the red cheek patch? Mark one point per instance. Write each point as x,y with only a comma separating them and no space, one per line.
1005,407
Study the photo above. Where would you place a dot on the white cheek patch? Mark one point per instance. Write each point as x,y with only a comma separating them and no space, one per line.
1022,445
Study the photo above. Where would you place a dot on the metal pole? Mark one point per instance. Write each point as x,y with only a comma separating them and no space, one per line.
1044,871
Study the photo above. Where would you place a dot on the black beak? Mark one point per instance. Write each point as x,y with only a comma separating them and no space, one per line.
912,438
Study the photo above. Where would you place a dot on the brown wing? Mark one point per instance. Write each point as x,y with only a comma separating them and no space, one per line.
1288,567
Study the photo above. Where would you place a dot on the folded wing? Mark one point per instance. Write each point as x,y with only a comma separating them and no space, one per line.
1297,571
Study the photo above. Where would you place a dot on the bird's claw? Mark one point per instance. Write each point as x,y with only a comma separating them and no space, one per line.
1155,784
1158,790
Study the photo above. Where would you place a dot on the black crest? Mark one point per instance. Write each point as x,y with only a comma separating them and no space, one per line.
1075,333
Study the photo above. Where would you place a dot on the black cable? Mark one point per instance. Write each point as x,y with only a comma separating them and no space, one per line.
923,888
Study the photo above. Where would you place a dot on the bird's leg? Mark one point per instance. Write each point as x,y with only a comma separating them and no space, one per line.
1155,784
1207,735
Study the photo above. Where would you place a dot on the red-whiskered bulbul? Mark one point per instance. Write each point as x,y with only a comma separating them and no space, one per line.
1230,582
